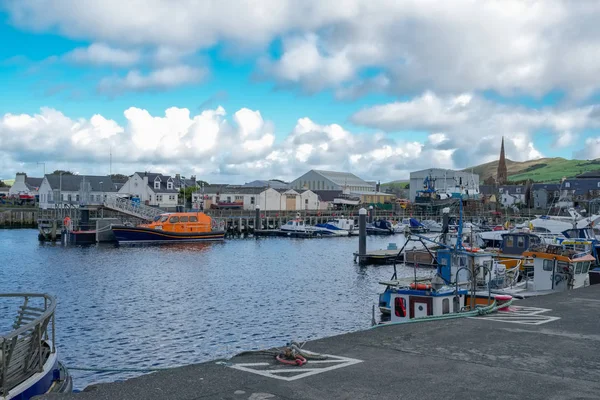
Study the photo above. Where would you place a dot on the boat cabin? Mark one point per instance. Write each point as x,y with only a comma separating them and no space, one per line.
181,222
407,304
515,243
558,267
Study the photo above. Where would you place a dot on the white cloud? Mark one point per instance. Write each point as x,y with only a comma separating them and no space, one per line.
591,150
474,125
512,46
160,79
101,54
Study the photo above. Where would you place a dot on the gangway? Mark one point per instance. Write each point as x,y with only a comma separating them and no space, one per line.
126,206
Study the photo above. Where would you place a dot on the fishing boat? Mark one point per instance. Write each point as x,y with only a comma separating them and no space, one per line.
29,364
171,228
556,268
337,227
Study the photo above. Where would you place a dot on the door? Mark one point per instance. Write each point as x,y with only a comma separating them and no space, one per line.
290,203
420,306
398,308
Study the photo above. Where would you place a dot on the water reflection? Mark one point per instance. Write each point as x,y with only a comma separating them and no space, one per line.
144,306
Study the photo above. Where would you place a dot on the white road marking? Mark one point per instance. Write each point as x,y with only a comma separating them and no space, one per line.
338,362
521,315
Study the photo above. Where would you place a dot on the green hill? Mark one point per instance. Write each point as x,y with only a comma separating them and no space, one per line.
540,170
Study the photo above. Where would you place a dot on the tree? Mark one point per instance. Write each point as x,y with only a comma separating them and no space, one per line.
60,171
407,186
187,192
119,177
2,184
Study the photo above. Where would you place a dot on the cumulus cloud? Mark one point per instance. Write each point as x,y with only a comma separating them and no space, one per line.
101,54
474,124
209,144
591,150
511,46
159,79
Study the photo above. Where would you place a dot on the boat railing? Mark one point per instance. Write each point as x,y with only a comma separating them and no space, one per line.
24,350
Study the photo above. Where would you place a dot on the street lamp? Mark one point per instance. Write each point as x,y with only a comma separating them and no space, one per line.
44,164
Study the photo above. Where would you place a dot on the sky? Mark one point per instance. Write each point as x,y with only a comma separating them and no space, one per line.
232,91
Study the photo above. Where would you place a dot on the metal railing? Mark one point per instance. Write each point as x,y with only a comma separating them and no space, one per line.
24,350
127,206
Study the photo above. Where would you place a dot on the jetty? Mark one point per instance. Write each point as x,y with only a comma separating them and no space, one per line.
541,348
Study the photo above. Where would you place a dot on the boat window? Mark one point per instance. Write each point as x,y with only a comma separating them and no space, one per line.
183,219
510,242
164,218
193,218
400,307
156,218
562,266
290,223
578,267
586,266
446,306
548,264
521,242
174,220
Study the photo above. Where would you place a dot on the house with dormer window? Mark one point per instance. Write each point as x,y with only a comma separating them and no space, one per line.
152,189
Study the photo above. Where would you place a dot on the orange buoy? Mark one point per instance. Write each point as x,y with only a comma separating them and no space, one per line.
420,286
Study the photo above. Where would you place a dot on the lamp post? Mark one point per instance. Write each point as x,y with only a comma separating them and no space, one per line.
44,164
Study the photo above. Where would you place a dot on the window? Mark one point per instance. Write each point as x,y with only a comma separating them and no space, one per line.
164,218
174,220
446,306
400,307
567,184
548,264
156,184
170,185
518,190
251,200
229,199
578,267
520,242
586,266
598,184
171,197
510,241
76,197
193,218
183,219
306,201
239,197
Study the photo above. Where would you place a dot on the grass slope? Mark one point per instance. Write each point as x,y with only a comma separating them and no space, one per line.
540,170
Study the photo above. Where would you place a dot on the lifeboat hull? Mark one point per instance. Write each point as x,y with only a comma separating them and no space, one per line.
127,234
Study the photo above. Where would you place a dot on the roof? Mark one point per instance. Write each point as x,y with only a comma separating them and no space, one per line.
33,183
511,189
342,178
488,190
581,186
367,193
72,183
328,195
243,190
549,187
163,182
270,183
590,174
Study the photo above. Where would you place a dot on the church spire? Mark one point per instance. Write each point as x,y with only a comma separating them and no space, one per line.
502,174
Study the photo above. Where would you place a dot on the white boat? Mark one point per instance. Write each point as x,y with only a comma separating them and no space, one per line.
297,225
337,227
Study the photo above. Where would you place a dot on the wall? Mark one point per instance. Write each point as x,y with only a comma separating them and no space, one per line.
136,186
269,200
313,200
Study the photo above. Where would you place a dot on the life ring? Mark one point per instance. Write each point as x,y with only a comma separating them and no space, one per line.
420,286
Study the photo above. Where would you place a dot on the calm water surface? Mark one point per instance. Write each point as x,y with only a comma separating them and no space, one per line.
142,307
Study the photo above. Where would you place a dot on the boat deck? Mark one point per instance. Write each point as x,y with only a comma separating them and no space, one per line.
545,348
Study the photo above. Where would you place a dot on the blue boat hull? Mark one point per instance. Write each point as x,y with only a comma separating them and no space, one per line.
126,234
55,378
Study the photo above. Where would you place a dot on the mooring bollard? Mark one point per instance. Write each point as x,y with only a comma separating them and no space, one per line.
362,234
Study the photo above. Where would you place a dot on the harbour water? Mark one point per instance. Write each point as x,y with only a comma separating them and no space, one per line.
162,306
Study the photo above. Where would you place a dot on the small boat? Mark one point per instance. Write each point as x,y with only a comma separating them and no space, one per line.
171,228
337,227
556,268
380,227
29,364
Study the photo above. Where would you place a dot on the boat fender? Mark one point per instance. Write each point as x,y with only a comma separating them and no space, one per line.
420,286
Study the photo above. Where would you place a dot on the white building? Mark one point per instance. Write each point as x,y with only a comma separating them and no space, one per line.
329,180
25,185
152,189
445,181
58,191
267,198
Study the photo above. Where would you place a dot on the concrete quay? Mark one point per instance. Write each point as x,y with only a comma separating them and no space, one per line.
544,348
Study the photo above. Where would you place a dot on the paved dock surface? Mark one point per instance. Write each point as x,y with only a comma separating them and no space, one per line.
545,348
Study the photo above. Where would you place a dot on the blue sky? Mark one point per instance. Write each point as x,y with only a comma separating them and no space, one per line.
278,88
